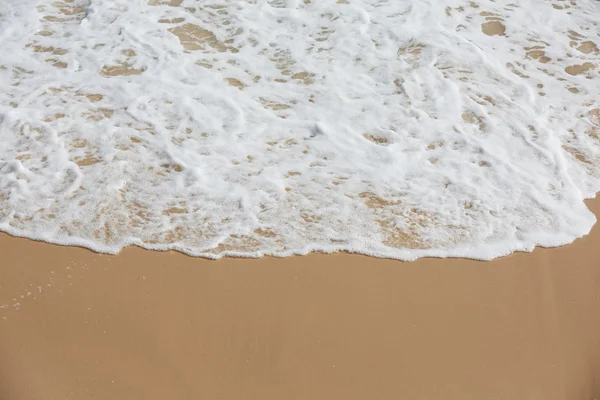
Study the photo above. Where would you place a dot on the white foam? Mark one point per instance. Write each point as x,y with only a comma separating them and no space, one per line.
245,128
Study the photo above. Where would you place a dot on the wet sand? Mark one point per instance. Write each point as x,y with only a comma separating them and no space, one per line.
148,325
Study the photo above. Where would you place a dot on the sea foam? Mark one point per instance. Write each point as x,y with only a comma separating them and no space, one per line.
400,128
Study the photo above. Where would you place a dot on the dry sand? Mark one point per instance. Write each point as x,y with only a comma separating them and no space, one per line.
147,325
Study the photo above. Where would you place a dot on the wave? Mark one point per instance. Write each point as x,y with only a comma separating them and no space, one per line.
399,129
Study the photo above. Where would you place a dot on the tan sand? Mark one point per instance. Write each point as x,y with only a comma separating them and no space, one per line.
147,325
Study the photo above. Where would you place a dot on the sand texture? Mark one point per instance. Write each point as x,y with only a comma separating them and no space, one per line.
148,325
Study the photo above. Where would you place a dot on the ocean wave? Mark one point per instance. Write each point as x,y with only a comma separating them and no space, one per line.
399,129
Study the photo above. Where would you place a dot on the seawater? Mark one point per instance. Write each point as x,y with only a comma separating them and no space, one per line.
400,128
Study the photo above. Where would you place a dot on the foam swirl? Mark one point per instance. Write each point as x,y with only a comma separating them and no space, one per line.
400,129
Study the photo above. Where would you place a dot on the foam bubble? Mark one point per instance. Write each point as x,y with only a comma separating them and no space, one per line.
398,129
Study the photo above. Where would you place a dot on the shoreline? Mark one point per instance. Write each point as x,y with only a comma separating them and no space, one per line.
455,253
155,325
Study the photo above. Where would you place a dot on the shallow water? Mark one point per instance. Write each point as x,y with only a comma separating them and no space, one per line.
399,128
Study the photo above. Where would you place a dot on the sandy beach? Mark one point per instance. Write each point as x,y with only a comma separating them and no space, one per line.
398,129
149,325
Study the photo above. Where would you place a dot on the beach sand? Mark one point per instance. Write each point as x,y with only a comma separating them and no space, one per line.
149,325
